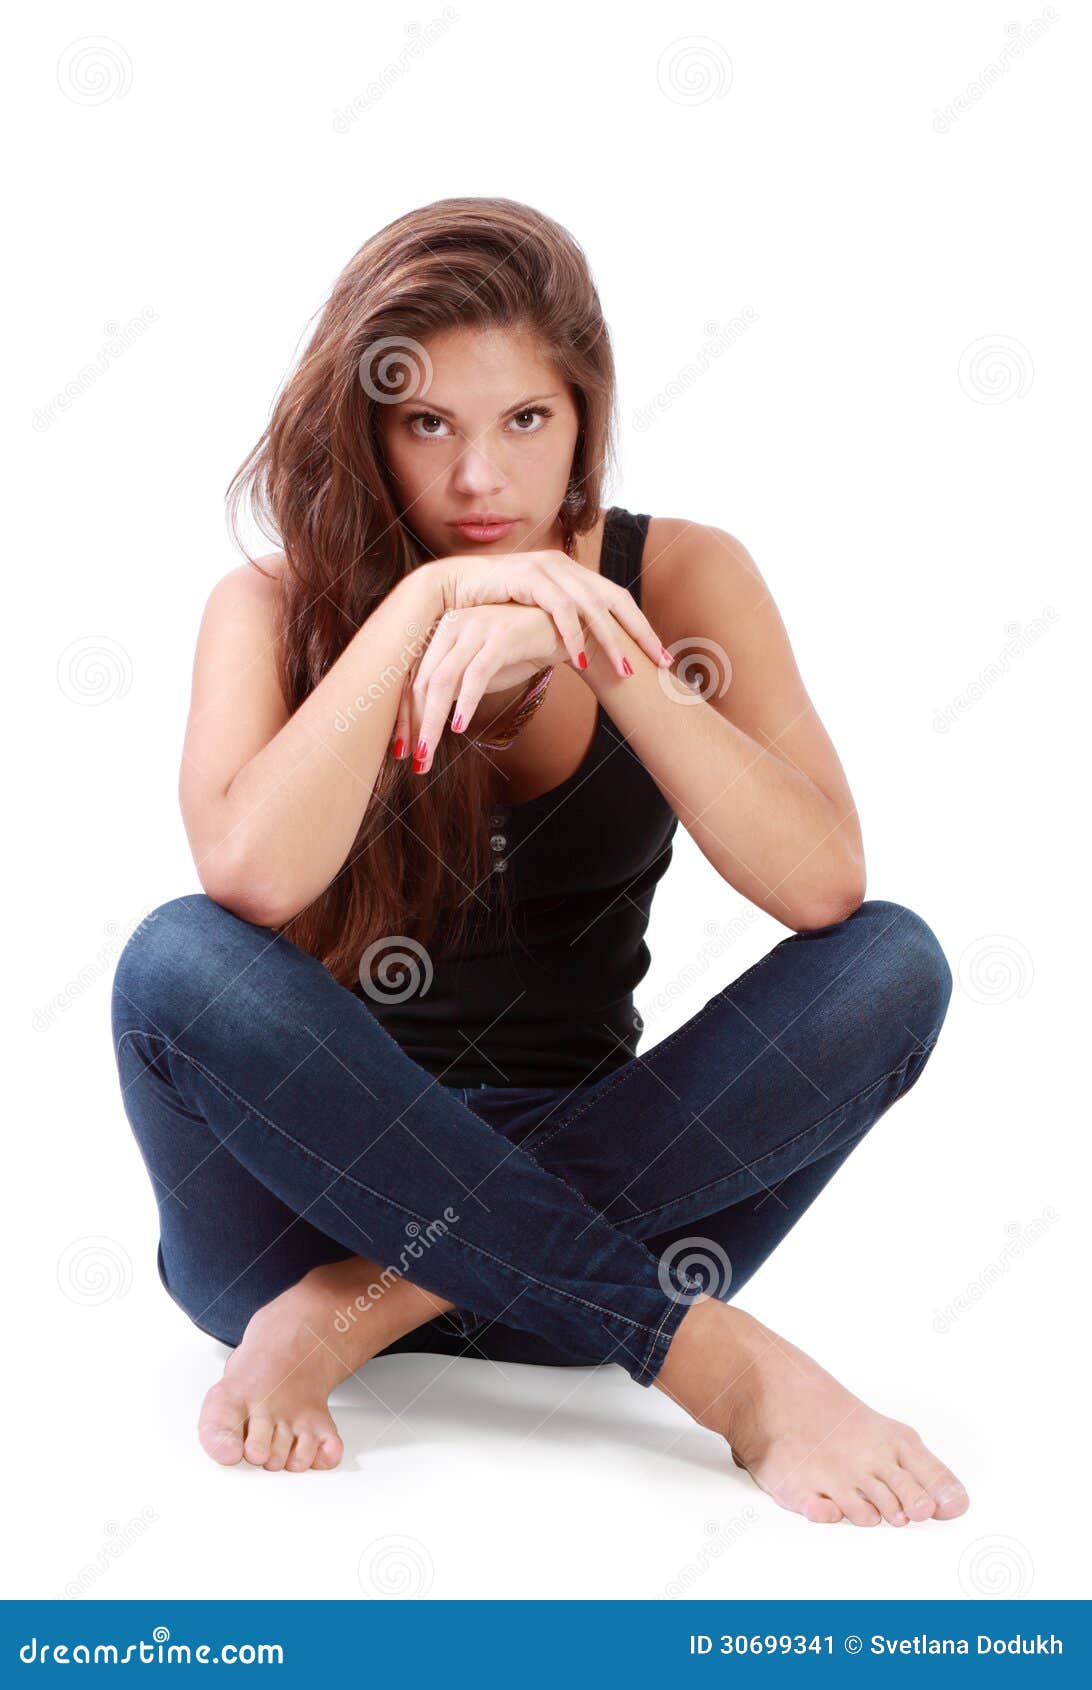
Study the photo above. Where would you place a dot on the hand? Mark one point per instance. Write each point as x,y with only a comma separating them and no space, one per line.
567,591
484,649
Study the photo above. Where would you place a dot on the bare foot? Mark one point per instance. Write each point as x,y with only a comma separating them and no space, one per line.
809,1443
270,1406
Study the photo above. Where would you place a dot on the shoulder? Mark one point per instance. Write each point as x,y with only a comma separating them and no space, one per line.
252,587
691,569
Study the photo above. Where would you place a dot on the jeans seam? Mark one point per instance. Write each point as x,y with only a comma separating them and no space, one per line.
626,1068
702,1190
306,1153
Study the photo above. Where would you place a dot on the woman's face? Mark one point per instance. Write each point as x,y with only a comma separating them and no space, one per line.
490,432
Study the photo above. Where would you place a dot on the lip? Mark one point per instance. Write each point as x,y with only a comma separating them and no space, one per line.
485,527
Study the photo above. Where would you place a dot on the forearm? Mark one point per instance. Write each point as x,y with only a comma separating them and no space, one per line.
290,815
766,827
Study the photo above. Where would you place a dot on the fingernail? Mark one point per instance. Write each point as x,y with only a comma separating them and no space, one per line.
582,659
456,724
665,655
419,756
399,747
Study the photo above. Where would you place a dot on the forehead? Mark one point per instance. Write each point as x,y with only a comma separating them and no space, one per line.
489,365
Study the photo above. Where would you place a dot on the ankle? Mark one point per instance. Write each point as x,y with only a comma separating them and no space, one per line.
707,1362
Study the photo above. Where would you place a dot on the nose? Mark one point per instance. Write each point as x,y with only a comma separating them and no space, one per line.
476,473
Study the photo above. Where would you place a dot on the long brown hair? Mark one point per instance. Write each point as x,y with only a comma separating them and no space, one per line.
318,487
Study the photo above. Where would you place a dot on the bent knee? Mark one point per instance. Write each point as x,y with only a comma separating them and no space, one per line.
904,973
178,949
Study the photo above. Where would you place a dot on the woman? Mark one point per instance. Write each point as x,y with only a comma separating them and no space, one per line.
463,1153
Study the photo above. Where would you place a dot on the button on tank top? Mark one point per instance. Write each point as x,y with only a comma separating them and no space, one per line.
553,1004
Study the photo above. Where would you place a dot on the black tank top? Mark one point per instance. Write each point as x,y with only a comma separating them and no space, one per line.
554,1005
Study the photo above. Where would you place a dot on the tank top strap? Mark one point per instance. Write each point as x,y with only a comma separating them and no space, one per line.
623,545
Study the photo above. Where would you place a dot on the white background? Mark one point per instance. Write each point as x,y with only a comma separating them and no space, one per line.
899,437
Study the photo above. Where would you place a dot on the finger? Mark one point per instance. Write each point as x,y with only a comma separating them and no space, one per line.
436,703
476,678
637,624
563,608
400,741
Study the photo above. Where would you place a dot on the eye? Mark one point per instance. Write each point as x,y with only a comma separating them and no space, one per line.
425,417
542,411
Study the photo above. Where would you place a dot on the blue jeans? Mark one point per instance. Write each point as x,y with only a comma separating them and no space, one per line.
282,1127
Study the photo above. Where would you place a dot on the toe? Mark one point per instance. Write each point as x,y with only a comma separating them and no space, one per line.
220,1428
823,1510
914,1499
279,1447
330,1451
856,1507
949,1496
884,1500
303,1451
259,1438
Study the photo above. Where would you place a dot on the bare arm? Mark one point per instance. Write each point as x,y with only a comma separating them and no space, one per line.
273,800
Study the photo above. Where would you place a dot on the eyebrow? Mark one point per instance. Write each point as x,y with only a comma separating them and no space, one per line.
442,411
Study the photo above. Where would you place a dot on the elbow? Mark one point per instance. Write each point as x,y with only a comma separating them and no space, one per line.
236,887
833,908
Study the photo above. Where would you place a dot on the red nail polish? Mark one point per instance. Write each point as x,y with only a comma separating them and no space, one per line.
627,665
582,659
419,756
666,655
399,747
456,724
